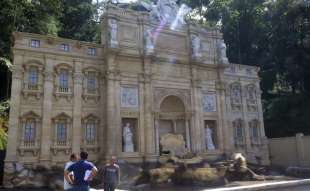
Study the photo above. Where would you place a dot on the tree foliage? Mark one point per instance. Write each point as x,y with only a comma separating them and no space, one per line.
274,35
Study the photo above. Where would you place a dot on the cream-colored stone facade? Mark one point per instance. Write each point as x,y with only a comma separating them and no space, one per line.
69,95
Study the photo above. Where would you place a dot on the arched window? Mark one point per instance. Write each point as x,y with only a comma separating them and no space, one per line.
90,130
91,82
62,129
33,78
63,80
29,133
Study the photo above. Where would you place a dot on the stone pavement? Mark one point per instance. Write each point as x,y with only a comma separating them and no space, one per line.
291,185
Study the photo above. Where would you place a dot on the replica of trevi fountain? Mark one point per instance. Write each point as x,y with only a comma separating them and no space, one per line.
158,92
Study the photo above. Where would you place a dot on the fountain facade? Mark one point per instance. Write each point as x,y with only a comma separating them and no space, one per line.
152,75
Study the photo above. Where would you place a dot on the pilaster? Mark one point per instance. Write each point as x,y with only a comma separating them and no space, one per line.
47,111
77,107
11,155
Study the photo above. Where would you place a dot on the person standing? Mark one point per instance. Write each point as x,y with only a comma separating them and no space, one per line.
73,159
80,171
111,175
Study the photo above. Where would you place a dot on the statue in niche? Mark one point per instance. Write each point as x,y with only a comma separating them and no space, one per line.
128,138
149,41
221,48
209,138
113,32
196,46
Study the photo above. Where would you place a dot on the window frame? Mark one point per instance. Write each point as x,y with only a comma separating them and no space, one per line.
35,43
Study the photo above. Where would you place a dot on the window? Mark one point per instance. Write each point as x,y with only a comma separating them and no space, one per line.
254,131
91,51
65,47
238,133
61,133
90,132
35,43
63,81
29,133
33,78
91,83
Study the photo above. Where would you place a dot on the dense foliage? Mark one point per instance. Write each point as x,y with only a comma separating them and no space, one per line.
271,34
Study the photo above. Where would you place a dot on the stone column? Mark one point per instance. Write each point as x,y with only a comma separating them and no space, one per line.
197,139
188,144
77,107
11,155
141,133
47,111
149,125
117,117
110,130
224,136
156,125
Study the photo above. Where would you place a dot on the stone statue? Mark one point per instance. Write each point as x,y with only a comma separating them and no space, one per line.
196,46
113,33
149,41
128,138
164,10
209,140
221,48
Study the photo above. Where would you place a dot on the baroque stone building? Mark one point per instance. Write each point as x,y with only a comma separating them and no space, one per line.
152,74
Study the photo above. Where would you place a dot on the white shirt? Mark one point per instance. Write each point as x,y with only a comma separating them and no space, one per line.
66,184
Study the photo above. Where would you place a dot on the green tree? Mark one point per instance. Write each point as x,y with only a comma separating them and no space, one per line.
78,20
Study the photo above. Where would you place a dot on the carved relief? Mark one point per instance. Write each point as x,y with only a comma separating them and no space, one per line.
209,102
129,97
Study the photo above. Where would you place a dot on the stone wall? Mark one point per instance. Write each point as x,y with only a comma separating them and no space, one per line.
290,151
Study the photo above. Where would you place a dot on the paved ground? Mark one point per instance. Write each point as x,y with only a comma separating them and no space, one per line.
299,188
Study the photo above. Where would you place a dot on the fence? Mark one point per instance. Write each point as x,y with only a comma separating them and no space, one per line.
290,151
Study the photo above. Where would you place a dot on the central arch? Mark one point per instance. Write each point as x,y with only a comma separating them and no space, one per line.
172,118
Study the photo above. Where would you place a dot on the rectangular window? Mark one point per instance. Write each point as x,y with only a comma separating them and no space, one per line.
239,134
90,133
91,83
61,133
254,131
91,51
33,78
29,133
35,43
65,47
63,81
